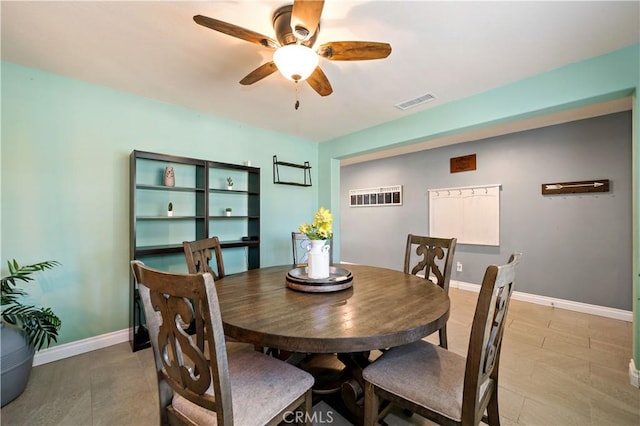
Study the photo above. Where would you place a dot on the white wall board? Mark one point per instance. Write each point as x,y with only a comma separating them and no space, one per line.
471,214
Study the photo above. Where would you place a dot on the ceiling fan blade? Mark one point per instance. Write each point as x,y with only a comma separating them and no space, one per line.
236,31
354,50
259,73
320,83
305,17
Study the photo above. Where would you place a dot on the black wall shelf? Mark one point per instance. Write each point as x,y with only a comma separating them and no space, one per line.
305,167
201,194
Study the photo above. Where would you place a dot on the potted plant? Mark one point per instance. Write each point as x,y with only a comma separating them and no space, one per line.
24,328
227,211
229,183
170,209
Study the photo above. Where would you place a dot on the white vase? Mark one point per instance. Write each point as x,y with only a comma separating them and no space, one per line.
318,266
169,177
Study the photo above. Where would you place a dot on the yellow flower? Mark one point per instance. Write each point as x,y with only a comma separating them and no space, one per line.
320,228
304,228
324,233
323,216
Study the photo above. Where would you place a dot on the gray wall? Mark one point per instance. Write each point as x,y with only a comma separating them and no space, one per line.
576,247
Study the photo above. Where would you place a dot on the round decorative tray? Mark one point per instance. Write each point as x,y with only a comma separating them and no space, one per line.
339,279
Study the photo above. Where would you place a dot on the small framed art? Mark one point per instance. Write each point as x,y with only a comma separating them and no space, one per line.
376,197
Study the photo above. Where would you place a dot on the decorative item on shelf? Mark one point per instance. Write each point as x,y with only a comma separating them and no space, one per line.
24,329
169,177
170,209
229,183
227,211
318,232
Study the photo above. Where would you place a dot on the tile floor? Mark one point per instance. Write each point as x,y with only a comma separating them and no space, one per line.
557,368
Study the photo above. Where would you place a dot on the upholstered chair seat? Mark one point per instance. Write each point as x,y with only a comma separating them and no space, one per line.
423,373
254,377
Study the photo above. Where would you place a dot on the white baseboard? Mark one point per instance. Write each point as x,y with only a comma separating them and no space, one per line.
570,305
78,347
634,374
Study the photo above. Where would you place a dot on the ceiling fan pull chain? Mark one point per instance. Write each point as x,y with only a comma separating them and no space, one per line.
297,104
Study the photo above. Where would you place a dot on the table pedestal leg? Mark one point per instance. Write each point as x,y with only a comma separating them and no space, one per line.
352,390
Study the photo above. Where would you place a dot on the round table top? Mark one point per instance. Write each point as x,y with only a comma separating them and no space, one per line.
382,309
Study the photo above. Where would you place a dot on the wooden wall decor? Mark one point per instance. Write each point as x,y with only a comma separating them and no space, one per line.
462,164
599,185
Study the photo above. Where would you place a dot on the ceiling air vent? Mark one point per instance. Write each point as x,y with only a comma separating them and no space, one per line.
415,102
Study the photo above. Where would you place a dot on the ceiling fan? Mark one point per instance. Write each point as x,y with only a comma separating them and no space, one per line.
296,27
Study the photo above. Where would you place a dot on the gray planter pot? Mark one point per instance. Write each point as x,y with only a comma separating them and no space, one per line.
16,362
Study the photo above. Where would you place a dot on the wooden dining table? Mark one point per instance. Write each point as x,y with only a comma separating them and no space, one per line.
382,308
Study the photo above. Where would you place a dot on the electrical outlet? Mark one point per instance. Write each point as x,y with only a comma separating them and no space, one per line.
459,267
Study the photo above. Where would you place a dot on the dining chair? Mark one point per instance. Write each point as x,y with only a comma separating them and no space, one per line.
214,383
299,244
441,385
199,253
433,257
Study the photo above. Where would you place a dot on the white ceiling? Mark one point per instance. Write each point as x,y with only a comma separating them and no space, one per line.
453,50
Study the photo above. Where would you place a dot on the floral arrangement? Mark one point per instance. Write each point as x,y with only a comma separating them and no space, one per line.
320,229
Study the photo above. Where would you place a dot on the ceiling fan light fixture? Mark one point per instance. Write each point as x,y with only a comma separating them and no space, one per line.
295,61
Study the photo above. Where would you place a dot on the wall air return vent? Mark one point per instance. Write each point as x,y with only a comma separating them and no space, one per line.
415,102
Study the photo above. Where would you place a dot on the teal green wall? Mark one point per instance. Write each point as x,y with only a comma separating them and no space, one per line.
65,181
610,76
64,177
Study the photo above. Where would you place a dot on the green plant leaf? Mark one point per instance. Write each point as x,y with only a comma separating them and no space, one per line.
40,325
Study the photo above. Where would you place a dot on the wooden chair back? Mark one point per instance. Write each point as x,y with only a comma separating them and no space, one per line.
485,342
433,256
182,366
200,252
299,244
